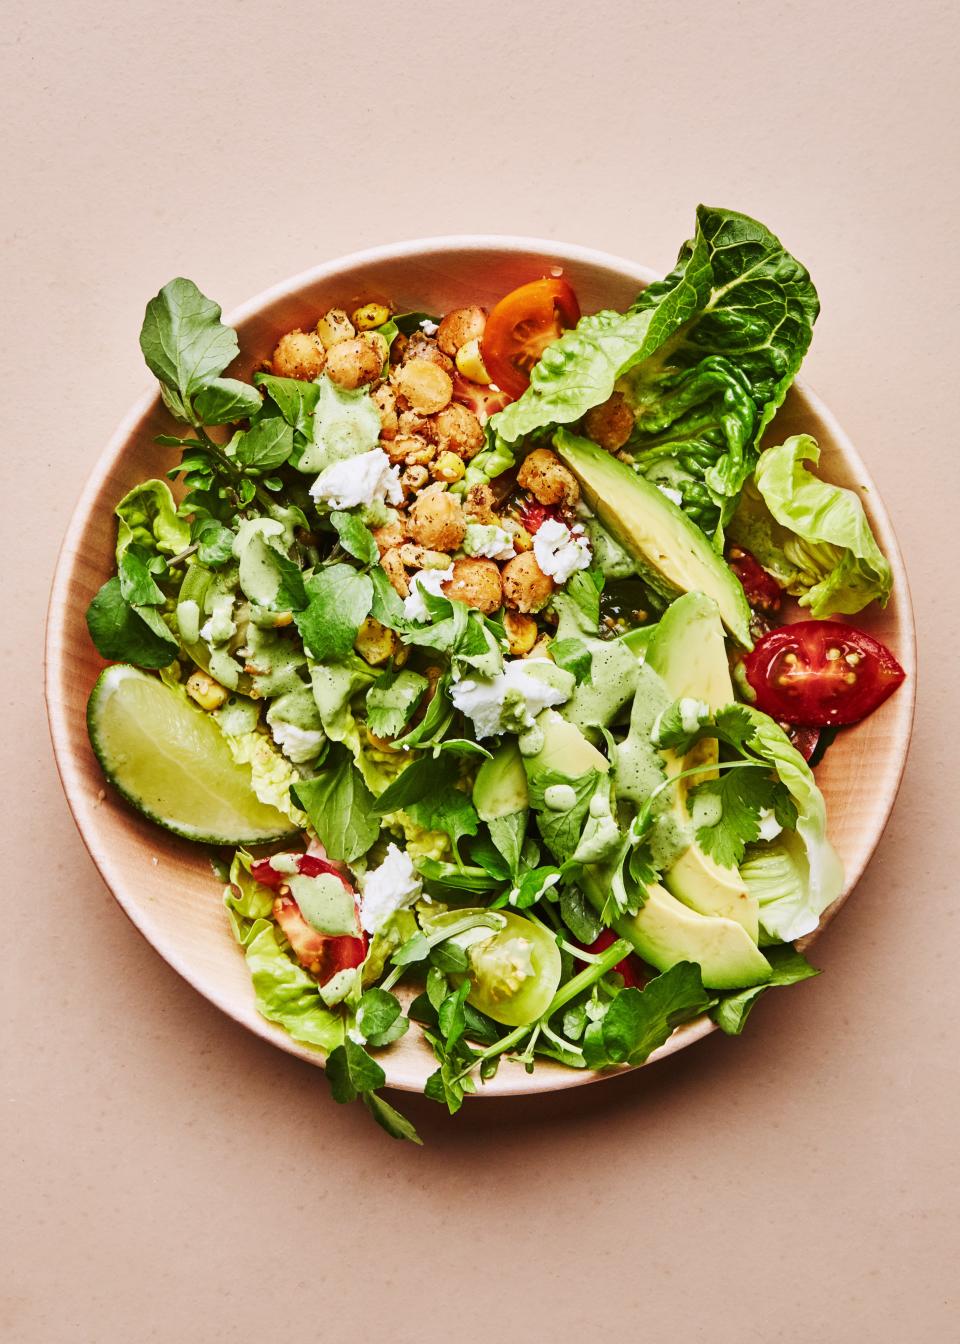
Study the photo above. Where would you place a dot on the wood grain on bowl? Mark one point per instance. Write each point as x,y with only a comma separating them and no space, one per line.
166,885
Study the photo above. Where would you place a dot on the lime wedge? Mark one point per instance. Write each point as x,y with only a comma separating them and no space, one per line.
171,761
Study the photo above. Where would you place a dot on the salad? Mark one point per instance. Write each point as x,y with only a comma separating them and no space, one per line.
491,653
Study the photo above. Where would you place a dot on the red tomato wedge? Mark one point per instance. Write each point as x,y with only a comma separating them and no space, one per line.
318,953
520,328
483,401
816,673
533,515
762,590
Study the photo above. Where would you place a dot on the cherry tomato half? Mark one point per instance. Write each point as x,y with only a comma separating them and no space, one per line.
815,673
483,401
762,590
319,953
631,968
520,328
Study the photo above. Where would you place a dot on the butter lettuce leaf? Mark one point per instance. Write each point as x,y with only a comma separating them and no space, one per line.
147,518
812,536
286,994
270,772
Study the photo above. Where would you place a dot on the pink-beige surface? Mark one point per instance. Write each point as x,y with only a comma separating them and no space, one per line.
167,1174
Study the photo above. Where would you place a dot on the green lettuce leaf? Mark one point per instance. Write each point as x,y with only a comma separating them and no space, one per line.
812,536
286,994
815,877
704,358
270,771
147,518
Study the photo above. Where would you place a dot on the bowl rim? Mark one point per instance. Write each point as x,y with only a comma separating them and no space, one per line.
514,1081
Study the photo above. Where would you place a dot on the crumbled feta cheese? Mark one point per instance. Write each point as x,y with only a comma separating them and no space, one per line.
367,479
425,581
770,828
429,327
510,701
674,496
220,628
561,550
488,541
393,886
298,744
692,713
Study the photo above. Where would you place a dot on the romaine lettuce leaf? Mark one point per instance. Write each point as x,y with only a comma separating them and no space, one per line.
812,536
704,357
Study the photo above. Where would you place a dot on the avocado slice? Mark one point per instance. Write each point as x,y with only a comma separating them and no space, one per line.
673,555
565,749
665,931
500,788
687,651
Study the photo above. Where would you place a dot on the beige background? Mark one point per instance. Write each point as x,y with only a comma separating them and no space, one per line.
170,1177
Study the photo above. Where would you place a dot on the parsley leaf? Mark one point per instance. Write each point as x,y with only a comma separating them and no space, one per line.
449,810
263,446
339,602
214,542
340,806
585,587
294,399
136,581
740,795
392,701
352,1072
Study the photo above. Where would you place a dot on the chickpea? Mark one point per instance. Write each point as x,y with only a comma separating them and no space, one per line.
391,535
525,586
335,327
479,504
422,346
610,424
397,449
460,326
437,521
392,566
414,479
385,400
547,479
476,582
353,363
459,431
426,387
521,633
410,422
299,354
420,453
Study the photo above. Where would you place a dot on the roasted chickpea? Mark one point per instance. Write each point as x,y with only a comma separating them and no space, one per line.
422,346
392,566
420,453
425,426
299,354
391,535
459,431
425,386
525,586
521,633
610,424
479,504
355,362
460,326
437,521
335,327
476,582
385,400
547,479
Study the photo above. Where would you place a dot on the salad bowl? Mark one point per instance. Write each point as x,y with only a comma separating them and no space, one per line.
166,885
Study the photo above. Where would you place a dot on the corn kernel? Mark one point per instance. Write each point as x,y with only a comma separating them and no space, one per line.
470,363
208,694
448,467
335,327
522,539
521,633
370,315
375,643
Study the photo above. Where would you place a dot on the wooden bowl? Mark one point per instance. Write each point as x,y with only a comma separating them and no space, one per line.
164,884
